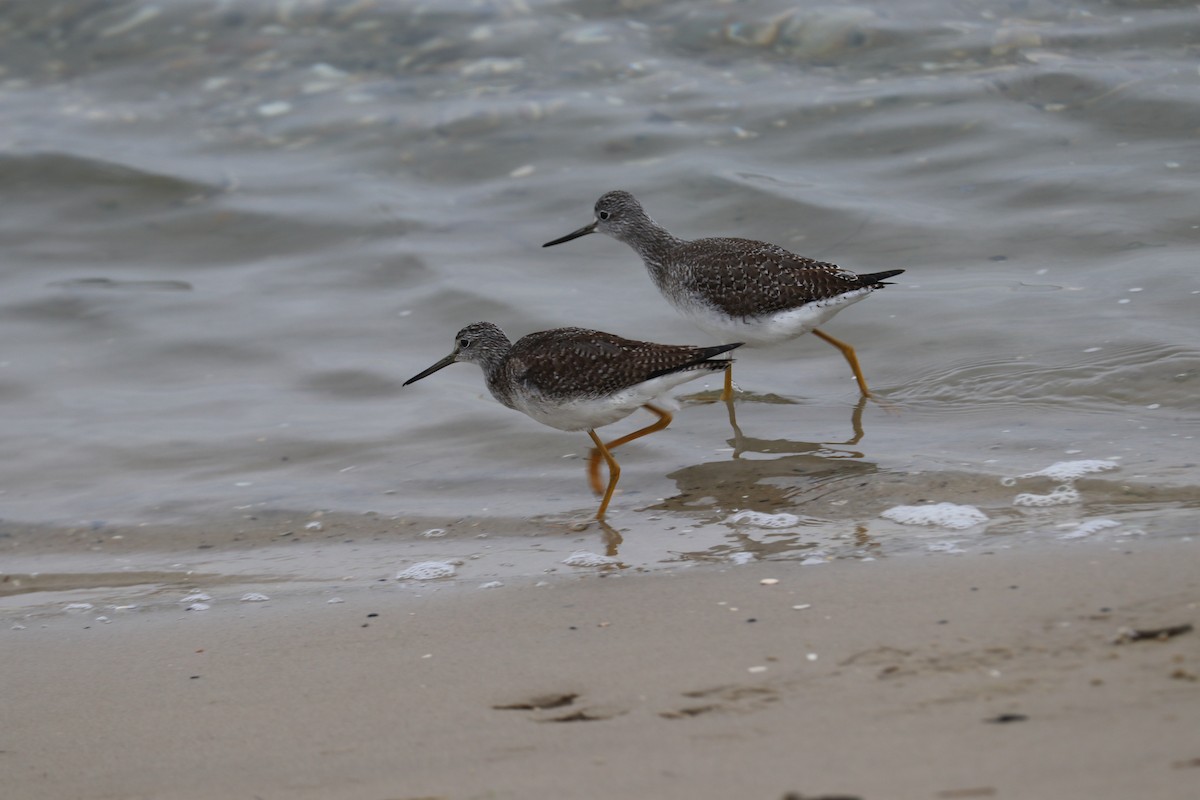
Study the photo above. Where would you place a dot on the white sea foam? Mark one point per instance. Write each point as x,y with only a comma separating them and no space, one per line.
741,557
760,519
586,558
1062,495
943,515
427,571
1089,527
1067,470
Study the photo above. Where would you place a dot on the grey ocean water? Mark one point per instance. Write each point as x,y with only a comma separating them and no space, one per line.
230,231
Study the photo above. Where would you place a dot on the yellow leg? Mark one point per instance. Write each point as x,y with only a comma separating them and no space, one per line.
727,392
664,419
614,473
851,359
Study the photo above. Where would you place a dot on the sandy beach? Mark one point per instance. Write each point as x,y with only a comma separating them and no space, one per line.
924,676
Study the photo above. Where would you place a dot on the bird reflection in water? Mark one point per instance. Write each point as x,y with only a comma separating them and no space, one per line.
749,444
711,488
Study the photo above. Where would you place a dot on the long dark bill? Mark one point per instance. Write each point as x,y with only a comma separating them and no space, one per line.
584,231
445,362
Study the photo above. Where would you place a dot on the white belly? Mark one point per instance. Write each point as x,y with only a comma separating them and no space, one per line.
584,413
770,328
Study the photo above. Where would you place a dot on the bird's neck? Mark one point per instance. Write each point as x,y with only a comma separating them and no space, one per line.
493,373
654,244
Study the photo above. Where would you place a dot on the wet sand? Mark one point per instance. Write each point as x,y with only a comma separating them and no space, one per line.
910,677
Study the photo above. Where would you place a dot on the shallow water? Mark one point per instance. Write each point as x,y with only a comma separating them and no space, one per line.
232,231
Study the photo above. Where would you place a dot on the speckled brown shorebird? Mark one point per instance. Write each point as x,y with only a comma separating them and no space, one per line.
579,380
732,288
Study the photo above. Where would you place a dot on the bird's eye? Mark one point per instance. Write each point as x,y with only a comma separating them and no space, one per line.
603,215
464,343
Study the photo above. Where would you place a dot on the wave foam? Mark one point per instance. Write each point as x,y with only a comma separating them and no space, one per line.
586,558
1062,495
944,515
1067,470
427,571
761,520
1089,527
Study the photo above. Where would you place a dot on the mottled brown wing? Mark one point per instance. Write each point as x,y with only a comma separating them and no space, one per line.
576,362
745,278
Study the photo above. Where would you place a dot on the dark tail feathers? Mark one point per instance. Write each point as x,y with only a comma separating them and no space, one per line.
703,360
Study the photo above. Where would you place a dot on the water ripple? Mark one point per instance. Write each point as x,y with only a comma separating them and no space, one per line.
1111,379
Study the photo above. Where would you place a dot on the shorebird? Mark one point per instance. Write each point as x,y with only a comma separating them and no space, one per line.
733,288
575,379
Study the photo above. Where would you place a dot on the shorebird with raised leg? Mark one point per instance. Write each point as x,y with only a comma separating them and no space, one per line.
736,288
575,379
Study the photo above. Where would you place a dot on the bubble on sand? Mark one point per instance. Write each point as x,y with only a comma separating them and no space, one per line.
78,607
434,533
254,597
741,557
427,571
586,558
196,597
943,515
491,585
1062,495
198,607
762,520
